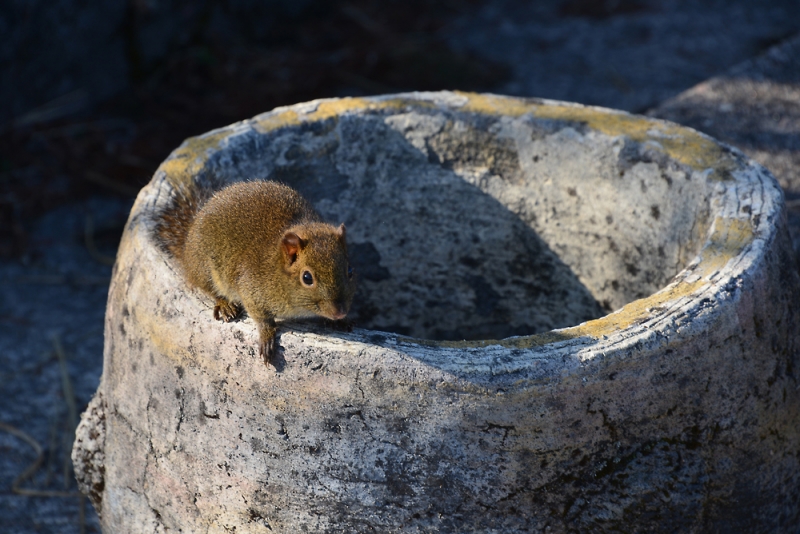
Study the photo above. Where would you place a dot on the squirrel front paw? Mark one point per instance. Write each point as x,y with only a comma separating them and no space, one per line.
226,311
267,349
266,340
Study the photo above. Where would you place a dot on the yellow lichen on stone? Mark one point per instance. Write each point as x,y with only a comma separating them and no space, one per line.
190,158
683,145
635,312
328,109
335,108
679,143
727,241
273,121
488,104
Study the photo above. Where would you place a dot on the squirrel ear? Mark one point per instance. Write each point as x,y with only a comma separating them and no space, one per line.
292,244
341,231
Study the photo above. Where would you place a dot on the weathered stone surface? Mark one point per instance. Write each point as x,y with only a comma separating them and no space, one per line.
88,452
756,107
484,215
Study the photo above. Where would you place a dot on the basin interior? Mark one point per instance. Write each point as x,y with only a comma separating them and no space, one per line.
467,226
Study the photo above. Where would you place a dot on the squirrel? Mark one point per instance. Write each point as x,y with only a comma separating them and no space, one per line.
259,246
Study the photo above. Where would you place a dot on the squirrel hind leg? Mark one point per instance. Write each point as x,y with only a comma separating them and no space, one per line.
225,310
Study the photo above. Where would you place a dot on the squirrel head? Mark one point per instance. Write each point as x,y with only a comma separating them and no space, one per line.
318,269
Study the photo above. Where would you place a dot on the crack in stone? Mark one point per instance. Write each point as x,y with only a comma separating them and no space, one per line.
181,395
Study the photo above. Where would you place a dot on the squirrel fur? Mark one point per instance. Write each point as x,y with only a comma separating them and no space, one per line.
259,246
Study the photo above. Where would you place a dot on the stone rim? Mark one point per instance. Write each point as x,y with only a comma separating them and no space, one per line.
744,202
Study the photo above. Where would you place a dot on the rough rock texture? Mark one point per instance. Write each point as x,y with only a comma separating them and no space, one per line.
756,107
88,452
485,214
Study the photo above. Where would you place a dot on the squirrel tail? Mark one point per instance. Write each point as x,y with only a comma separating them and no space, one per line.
176,220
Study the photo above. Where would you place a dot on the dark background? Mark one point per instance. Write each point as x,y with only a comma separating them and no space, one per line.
94,95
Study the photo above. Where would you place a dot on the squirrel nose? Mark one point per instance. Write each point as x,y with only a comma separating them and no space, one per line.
334,309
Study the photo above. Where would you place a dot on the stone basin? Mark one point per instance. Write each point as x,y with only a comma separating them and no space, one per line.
567,317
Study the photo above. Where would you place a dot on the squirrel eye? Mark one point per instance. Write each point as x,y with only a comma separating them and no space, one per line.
307,278
349,272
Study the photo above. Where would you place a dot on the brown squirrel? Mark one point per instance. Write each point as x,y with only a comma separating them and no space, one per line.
260,246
